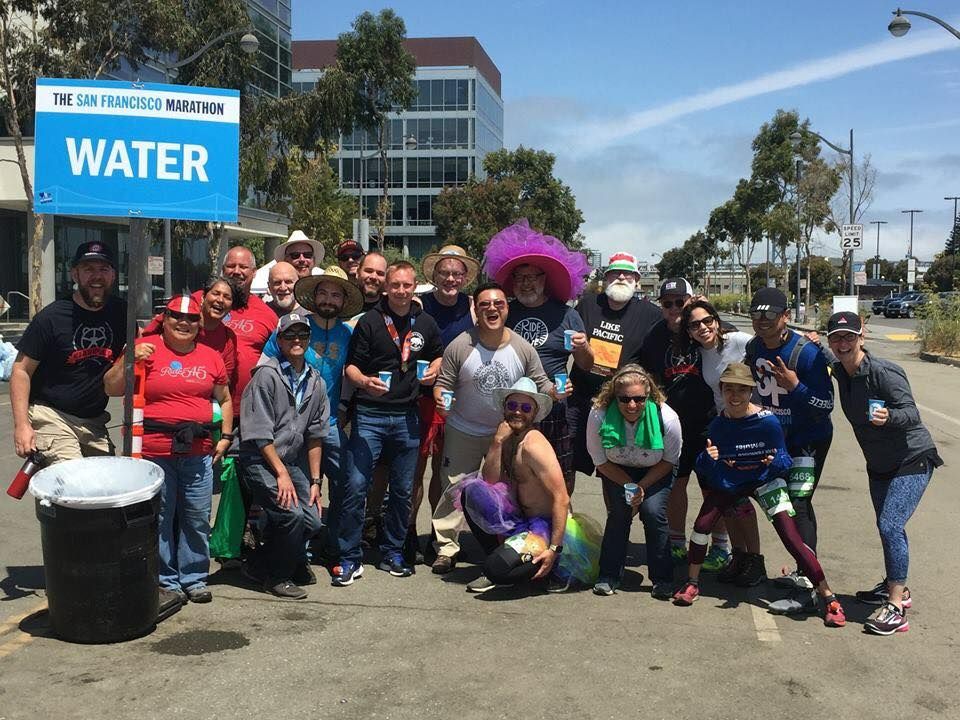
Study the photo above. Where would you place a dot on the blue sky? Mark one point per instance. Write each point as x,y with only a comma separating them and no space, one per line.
651,108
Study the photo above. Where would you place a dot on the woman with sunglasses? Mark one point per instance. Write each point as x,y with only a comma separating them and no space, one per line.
876,399
701,321
181,377
634,439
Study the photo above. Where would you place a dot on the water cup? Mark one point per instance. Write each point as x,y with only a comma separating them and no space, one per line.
422,366
629,490
560,382
447,397
873,405
568,339
385,377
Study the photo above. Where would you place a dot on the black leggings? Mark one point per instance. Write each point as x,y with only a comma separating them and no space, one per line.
806,518
503,565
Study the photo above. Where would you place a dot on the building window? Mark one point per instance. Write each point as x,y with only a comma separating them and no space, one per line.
442,95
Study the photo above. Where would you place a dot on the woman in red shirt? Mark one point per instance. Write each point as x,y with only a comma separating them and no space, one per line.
182,378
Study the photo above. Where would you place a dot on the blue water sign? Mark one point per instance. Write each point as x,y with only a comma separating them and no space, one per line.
136,150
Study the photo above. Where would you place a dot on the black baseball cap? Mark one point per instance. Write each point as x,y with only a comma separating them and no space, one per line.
845,322
675,286
768,298
94,250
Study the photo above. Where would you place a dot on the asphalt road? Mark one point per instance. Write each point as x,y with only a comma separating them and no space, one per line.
423,648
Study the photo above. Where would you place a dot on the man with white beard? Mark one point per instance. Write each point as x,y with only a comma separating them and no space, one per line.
283,276
616,324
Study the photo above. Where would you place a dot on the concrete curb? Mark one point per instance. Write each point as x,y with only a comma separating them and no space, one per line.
941,359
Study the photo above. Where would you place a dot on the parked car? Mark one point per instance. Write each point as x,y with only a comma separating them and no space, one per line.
905,306
880,305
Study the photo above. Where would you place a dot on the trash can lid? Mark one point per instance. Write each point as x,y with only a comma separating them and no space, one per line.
97,482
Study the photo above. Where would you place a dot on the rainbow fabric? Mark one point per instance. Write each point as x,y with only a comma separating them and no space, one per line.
493,507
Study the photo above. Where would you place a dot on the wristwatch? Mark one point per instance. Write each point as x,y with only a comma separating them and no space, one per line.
316,481
556,548
226,436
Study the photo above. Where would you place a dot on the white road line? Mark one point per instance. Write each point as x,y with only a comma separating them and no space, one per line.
765,624
931,411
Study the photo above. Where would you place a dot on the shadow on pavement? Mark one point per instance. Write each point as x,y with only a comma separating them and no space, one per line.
22,581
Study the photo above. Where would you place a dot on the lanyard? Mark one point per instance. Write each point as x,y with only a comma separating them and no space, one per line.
405,346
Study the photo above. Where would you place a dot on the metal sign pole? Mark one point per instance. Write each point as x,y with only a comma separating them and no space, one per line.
138,305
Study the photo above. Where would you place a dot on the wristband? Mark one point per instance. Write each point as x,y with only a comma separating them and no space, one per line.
226,436
316,481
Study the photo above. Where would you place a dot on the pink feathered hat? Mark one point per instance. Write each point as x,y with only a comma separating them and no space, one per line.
519,244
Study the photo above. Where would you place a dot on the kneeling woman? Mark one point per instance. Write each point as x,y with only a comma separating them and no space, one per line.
875,396
634,439
746,455
182,378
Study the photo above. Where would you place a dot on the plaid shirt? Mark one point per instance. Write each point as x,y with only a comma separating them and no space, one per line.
297,383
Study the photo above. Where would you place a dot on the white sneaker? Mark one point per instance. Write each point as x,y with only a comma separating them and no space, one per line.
793,580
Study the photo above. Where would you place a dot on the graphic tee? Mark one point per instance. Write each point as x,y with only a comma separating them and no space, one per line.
179,388
616,337
221,338
74,347
473,371
543,328
715,362
680,374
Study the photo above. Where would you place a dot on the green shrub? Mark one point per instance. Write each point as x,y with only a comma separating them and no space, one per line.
939,325
728,302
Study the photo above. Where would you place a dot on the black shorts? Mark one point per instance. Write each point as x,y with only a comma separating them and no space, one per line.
694,443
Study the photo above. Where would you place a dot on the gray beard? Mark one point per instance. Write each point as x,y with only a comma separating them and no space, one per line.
619,293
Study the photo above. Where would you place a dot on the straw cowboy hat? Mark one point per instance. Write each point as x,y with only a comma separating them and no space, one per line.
298,236
305,288
451,252
525,386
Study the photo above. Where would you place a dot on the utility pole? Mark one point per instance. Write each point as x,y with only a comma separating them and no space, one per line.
876,260
910,248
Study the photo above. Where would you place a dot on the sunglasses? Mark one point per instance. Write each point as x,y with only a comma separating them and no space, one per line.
487,304
186,317
295,335
765,314
667,304
513,406
627,399
708,321
306,254
350,256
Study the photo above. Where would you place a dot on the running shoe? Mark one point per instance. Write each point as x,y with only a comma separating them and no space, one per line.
603,588
803,602
833,614
686,595
679,554
734,567
662,591
793,580
887,621
754,571
345,573
878,595
717,559
481,585
396,566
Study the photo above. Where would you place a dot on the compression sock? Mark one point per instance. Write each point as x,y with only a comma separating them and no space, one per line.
721,540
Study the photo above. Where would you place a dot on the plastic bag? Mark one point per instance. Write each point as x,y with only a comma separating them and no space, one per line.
227,533
97,482
8,354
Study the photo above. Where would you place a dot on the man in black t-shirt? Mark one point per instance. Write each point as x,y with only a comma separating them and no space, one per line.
385,347
56,387
616,323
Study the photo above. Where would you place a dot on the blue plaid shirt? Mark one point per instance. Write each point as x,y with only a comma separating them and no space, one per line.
297,383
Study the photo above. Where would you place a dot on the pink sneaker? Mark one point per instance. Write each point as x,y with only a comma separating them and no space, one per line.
833,615
687,594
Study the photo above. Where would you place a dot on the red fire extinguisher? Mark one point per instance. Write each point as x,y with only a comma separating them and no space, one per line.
21,481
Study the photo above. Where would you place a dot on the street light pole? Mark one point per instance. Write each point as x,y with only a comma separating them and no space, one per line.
953,230
910,249
249,44
876,261
900,26
799,233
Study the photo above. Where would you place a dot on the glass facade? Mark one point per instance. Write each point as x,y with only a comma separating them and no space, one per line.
456,120
271,24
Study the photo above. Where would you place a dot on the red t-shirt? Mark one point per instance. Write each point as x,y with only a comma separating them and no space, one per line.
252,327
179,388
221,339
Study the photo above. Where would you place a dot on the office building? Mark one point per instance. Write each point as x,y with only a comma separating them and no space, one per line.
456,120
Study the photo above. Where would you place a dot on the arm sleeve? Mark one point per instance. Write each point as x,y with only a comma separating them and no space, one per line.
34,339
230,362
900,403
672,438
815,389
453,359
359,346
572,321
256,410
597,454
220,375
320,420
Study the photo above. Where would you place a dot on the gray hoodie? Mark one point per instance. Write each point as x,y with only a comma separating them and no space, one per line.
268,413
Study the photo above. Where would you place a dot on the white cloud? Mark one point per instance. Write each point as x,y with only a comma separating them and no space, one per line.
590,136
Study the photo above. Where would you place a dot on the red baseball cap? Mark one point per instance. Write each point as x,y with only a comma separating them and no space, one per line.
184,304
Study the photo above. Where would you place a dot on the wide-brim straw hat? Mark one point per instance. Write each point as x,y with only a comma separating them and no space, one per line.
298,236
306,287
451,252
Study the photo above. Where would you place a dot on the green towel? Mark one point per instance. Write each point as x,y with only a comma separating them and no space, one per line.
648,435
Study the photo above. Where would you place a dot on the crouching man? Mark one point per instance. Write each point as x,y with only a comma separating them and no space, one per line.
284,407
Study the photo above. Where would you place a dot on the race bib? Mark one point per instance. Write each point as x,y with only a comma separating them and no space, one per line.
803,477
774,498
